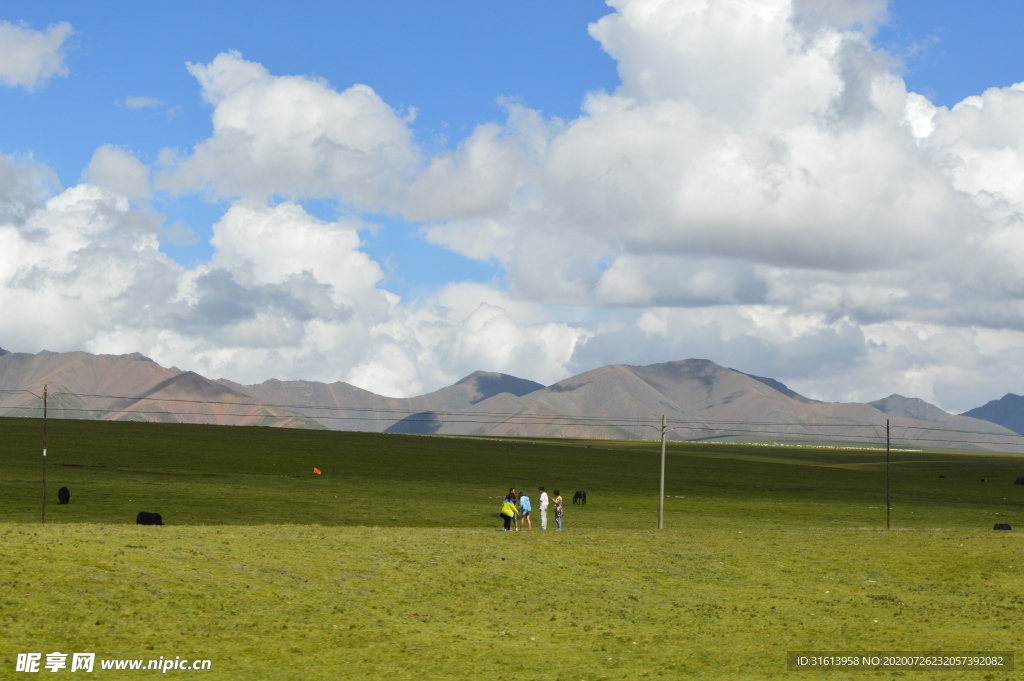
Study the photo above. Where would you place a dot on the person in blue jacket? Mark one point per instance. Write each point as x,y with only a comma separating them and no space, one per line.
524,511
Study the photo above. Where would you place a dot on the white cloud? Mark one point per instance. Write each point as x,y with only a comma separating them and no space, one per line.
285,295
118,170
755,152
142,102
79,265
29,58
464,328
485,172
23,188
764,155
735,135
295,137
865,14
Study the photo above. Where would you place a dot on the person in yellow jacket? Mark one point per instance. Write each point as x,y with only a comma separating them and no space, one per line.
508,511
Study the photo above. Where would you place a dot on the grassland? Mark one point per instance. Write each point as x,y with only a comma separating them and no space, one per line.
389,565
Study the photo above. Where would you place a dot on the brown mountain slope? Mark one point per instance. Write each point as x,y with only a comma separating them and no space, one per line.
81,372
345,407
909,407
704,400
126,387
908,412
338,406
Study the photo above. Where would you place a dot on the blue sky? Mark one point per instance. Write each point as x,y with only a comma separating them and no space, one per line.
485,251
953,50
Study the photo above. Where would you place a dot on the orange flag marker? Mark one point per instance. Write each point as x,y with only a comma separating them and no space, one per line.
317,470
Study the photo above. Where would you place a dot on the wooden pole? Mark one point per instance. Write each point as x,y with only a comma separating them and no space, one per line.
888,480
661,487
44,453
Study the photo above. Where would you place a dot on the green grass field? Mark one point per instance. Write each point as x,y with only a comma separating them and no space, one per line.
390,566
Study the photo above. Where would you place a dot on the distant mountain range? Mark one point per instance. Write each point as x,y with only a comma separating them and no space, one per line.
705,401
341,406
701,400
127,388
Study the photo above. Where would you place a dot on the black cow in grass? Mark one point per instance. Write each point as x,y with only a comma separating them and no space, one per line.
580,497
145,518
1019,481
1001,526
63,495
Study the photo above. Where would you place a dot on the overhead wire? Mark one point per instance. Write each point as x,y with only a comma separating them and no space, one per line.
725,428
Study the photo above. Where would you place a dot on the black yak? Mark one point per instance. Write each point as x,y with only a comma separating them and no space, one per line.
145,518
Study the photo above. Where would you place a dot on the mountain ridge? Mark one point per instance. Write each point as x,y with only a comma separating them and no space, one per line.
909,407
342,406
700,398
1007,411
126,387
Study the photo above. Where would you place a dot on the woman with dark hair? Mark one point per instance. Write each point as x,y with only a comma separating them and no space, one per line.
508,511
515,508
558,511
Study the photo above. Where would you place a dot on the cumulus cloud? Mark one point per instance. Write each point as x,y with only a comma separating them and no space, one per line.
293,136
23,188
29,58
736,134
80,264
284,295
764,155
119,170
865,14
485,172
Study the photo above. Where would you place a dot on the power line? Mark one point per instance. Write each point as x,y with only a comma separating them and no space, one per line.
650,421
725,428
638,420
565,422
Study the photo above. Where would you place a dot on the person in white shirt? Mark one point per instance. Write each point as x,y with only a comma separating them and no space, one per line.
543,509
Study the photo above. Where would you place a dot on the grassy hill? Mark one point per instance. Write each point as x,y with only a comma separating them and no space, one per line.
389,565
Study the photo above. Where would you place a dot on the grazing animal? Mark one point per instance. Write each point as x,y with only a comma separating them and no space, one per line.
580,497
1001,526
983,479
145,518
1019,481
63,495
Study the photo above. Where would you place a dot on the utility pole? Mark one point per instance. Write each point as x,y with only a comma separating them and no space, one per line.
661,487
888,476
44,453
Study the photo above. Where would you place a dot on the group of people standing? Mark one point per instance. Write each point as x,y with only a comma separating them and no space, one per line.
516,510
